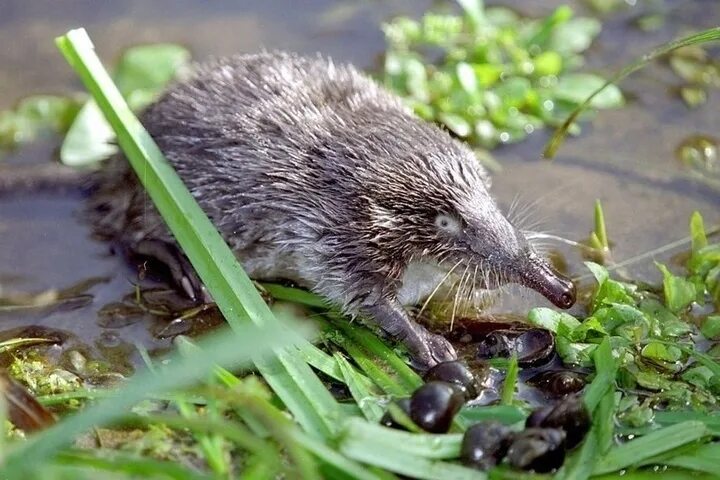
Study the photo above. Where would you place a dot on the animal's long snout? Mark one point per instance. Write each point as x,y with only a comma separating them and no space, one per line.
557,288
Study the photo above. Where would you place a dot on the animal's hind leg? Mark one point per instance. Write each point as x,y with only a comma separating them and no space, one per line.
181,271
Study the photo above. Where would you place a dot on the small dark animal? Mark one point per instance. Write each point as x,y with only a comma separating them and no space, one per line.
315,174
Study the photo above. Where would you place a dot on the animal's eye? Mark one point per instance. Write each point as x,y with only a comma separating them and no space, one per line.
447,223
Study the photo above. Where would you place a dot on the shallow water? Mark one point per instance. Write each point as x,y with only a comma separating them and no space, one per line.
625,158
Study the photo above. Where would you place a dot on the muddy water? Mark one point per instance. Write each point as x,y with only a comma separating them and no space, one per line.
626,158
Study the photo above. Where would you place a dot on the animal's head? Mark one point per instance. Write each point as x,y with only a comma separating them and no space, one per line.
438,207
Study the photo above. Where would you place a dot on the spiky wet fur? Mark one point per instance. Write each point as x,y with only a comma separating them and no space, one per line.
314,173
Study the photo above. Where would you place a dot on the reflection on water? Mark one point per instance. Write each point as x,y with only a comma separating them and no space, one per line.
626,157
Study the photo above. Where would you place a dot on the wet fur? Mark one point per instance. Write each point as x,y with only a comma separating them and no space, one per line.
314,173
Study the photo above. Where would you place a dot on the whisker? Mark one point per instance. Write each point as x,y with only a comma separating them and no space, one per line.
531,236
437,287
457,292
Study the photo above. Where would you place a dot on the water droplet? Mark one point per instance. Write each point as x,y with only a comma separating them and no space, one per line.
548,105
504,137
529,128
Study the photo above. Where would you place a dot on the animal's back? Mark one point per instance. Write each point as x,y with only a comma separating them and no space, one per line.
273,146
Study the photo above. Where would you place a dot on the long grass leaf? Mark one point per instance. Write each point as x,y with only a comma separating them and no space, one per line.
365,399
379,446
660,441
216,265
510,383
134,466
426,445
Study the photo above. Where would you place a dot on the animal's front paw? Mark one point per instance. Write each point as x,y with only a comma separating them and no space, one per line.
434,349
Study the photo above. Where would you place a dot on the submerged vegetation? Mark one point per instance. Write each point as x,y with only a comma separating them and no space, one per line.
266,398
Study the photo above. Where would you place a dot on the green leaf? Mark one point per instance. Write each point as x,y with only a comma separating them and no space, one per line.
548,63
552,320
575,35
658,351
510,383
409,454
600,228
360,390
697,232
235,294
487,74
466,76
149,67
474,10
655,443
35,115
90,138
606,369
699,376
141,74
456,124
679,292
711,327
507,414
575,87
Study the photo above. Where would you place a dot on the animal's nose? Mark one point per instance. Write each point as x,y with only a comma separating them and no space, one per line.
567,297
557,288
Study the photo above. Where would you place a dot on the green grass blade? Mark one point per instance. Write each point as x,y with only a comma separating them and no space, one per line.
383,448
426,445
359,388
702,459
134,466
600,229
407,379
507,414
508,389
711,420
331,457
656,443
558,137
232,289
605,371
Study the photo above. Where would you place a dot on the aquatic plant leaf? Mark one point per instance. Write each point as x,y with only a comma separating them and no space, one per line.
561,323
492,87
697,233
149,67
658,351
474,10
679,292
35,115
575,87
710,327
141,74
575,35
90,138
